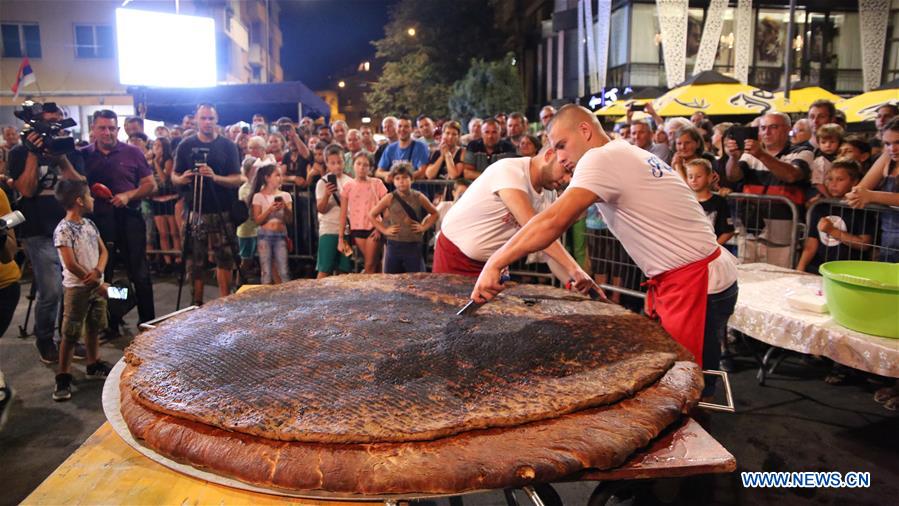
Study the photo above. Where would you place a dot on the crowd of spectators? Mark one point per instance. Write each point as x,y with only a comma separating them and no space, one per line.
200,194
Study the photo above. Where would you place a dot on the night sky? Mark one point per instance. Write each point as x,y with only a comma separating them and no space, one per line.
322,37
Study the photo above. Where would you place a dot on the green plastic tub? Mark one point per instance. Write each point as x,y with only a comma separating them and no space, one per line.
863,296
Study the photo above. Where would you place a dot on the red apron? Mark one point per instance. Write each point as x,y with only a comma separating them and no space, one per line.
449,259
678,297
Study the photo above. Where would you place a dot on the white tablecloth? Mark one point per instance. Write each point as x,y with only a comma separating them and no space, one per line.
763,313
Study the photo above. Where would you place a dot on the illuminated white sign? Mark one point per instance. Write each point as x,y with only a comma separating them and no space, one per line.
166,50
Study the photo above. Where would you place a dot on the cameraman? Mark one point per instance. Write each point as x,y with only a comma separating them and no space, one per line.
124,170
35,173
212,160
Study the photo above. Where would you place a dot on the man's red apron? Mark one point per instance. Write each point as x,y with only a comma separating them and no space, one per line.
449,259
678,297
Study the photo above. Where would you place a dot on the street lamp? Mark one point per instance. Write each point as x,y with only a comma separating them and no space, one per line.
341,84
411,31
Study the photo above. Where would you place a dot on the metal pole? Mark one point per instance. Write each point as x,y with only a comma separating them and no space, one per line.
789,51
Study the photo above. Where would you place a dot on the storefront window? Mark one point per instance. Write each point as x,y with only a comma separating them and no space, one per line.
724,60
618,41
646,41
694,36
847,57
891,70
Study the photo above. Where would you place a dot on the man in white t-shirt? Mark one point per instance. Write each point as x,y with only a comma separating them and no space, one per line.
656,217
507,194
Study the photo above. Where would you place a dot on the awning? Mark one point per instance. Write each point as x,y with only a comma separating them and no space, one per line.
619,107
864,107
802,95
234,102
714,94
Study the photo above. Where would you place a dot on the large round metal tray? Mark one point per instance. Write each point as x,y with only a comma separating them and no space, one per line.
113,411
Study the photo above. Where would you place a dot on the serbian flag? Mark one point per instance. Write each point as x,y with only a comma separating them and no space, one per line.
24,77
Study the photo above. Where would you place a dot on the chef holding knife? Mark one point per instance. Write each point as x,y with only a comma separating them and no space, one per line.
651,210
505,196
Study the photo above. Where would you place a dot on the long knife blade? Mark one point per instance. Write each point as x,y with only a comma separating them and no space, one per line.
471,306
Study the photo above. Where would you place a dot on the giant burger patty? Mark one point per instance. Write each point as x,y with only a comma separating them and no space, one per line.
537,452
384,358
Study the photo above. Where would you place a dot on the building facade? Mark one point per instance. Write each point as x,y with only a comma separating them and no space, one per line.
621,43
71,48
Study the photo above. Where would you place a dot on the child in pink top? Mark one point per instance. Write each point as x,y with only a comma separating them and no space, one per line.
358,197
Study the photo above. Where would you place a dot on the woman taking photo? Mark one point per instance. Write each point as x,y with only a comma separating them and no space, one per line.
163,202
272,209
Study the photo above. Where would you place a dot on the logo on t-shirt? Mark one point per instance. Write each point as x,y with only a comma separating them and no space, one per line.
658,166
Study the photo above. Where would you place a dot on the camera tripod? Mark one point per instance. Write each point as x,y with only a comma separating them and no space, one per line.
197,227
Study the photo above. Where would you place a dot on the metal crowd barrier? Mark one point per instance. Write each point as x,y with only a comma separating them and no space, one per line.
611,266
303,231
766,229
859,222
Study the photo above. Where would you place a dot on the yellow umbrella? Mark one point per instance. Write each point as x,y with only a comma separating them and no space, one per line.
714,94
864,107
638,115
801,97
619,107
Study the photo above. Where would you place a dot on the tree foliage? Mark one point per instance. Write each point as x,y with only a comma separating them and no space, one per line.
451,33
408,86
489,87
421,68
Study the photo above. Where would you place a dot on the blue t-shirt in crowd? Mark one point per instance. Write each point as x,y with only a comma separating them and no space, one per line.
416,153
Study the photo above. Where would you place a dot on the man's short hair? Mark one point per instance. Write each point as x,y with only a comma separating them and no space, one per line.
571,110
139,135
827,104
643,122
830,131
782,115
518,115
206,105
334,150
135,119
404,117
105,113
490,121
68,190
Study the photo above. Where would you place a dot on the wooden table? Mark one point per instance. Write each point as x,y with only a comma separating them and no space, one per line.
105,470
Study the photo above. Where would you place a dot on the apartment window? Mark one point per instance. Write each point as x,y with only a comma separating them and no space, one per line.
94,41
21,40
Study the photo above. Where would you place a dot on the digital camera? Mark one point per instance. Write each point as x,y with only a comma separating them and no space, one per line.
54,143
